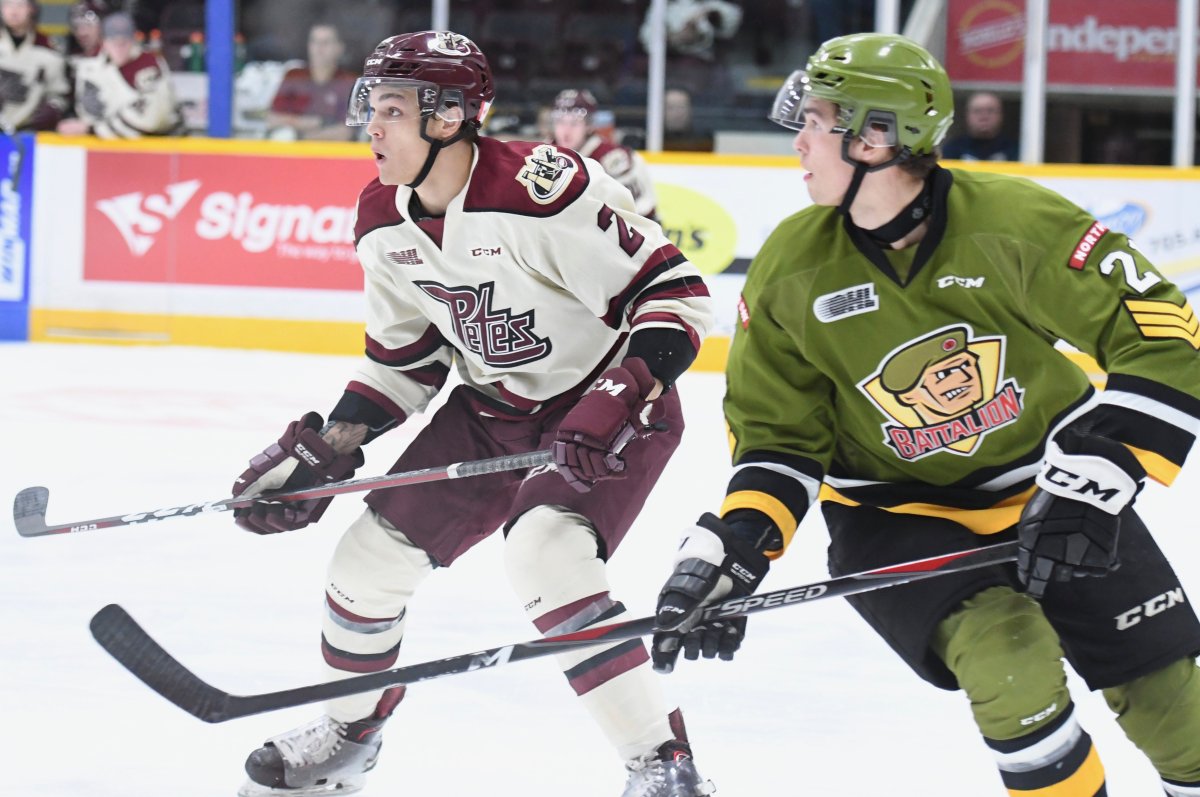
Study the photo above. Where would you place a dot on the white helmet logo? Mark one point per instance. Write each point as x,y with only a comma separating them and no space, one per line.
450,44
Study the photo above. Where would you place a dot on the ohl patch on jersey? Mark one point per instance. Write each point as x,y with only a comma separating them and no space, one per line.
943,392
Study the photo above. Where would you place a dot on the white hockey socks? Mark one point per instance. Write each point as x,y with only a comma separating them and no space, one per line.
373,574
552,562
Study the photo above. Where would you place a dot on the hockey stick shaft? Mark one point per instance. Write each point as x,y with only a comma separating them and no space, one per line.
29,507
120,635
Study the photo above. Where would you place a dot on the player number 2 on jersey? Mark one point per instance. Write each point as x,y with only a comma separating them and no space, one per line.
630,239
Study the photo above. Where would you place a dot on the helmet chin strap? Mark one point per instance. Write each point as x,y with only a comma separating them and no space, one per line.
860,170
435,146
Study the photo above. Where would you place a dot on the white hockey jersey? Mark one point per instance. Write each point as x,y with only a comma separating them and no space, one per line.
128,101
544,271
33,83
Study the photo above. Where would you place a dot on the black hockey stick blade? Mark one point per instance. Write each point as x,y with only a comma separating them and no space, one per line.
29,511
120,635
137,651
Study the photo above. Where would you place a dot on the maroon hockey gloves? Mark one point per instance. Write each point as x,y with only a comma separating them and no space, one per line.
297,460
592,434
713,563
1070,526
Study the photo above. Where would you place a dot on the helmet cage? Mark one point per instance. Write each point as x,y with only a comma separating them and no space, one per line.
432,100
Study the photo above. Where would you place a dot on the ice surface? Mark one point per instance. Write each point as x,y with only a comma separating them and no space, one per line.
814,705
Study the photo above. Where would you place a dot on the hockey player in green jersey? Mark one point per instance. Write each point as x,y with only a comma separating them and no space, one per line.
895,359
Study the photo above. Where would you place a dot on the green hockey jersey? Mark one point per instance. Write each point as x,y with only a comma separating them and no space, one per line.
928,380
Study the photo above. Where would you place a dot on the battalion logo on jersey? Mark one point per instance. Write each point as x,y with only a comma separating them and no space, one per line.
943,392
500,337
546,173
846,303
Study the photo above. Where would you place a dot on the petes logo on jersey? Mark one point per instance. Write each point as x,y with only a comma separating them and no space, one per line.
139,218
943,392
546,173
846,303
499,336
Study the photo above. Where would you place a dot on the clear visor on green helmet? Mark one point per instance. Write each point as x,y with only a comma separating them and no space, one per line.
789,110
880,82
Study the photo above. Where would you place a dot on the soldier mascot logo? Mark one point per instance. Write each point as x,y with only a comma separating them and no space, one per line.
943,392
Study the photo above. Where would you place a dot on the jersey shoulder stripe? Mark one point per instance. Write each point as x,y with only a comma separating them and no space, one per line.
376,208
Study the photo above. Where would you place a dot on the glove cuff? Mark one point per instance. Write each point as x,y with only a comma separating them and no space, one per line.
742,563
1106,482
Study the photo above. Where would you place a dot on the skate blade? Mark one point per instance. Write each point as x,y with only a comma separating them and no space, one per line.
339,788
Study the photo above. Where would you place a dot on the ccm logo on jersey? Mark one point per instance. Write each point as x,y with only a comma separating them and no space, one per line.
845,303
1086,244
962,282
1156,605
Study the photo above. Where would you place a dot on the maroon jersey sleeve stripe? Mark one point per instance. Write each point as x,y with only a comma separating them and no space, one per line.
430,341
378,398
432,375
669,318
659,263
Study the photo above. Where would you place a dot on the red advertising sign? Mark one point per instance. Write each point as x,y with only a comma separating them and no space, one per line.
223,219
1089,42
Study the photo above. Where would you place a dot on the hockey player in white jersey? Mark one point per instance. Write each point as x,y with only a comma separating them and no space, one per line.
125,91
568,317
574,118
33,75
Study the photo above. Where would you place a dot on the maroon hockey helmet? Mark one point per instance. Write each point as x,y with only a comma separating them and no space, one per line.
448,69
576,102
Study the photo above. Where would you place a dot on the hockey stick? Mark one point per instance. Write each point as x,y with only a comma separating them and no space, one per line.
129,644
29,507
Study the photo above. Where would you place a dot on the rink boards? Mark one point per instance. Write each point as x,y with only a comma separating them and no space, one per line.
248,244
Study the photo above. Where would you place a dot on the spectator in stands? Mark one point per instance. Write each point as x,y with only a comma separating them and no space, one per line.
574,124
693,26
124,92
86,35
33,77
984,139
679,131
311,101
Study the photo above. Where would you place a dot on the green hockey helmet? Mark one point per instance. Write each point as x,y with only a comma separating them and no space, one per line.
879,81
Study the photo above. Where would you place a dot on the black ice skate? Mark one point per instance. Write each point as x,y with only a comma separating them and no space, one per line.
667,772
324,757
